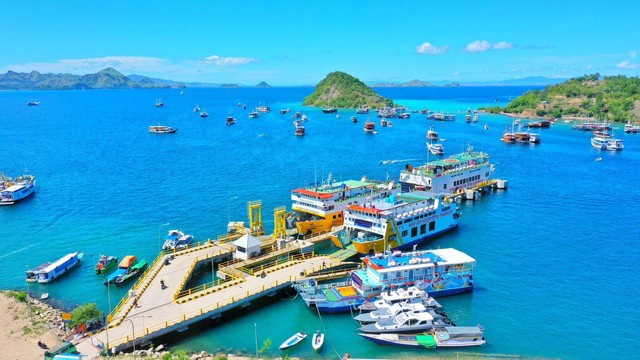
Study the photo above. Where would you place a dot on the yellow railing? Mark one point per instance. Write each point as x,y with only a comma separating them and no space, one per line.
179,292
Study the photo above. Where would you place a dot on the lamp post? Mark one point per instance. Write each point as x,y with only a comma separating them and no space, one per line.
229,207
160,227
29,300
133,334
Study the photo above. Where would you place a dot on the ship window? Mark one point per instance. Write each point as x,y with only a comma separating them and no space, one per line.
432,225
414,231
339,215
334,216
404,233
423,228
445,186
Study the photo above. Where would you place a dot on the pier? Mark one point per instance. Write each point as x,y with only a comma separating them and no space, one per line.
150,311
474,192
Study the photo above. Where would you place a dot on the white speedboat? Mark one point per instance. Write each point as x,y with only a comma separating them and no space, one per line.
317,341
435,149
176,240
407,322
293,340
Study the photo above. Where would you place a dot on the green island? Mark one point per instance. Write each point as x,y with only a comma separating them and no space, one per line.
610,98
341,90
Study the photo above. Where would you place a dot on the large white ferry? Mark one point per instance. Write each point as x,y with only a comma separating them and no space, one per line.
450,175
399,221
318,208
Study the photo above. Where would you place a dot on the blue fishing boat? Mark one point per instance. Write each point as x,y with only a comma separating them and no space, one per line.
134,270
124,266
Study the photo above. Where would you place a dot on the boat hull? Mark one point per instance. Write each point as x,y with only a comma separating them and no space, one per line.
370,247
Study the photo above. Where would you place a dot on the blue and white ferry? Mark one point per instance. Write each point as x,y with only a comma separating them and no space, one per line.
48,272
438,272
12,191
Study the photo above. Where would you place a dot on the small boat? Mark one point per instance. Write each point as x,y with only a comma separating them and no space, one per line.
159,103
134,270
331,110
285,111
46,274
391,311
389,123
435,148
354,119
12,191
304,118
362,110
383,122
405,115
204,113
33,103
486,126
448,336
254,115
105,263
338,116
299,131
370,127
293,340
263,109
412,295
196,109
317,341
176,240
475,118
241,105
407,322
467,118
534,138
432,134
231,120
122,269
297,115
161,129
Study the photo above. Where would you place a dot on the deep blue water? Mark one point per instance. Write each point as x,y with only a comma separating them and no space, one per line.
556,252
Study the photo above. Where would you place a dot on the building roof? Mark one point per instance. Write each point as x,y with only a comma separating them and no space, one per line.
247,241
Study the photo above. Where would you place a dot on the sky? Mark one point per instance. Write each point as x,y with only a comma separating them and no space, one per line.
300,42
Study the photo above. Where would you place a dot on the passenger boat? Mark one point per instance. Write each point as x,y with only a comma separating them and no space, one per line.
370,127
299,131
440,272
383,122
319,207
33,103
354,119
435,148
254,115
176,240
12,191
630,128
48,272
407,322
396,222
132,271
404,115
231,120
448,336
362,110
196,109
432,134
609,144
204,113
105,263
293,340
122,269
330,110
161,129
450,175
159,103
317,341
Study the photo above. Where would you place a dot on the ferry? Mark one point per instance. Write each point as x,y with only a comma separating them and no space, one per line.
12,191
440,272
317,208
48,272
399,221
450,175
161,129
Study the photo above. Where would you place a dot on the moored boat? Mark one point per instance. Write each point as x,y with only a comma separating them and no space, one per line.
132,271
46,274
610,144
370,127
161,129
13,191
317,341
435,148
231,120
176,240
412,296
299,131
122,269
105,263
330,110
254,115
448,336
294,340
407,322
32,274
387,313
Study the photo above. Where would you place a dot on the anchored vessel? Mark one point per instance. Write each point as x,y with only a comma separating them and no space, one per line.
399,221
12,191
161,129
105,263
176,240
48,272
448,336
450,175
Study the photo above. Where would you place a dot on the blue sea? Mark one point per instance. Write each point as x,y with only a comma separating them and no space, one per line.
556,252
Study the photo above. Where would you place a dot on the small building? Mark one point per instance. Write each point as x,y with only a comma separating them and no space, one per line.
247,247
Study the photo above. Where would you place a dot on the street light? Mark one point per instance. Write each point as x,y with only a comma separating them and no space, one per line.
159,247
133,333
229,207
29,300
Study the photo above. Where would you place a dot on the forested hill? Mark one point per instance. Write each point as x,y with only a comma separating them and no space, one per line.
611,98
342,90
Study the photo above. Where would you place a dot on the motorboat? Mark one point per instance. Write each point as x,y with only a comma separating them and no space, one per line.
354,119
448,336
159,103
294,340
435,148
161,129
231,120
263,109
133,270
196,109
383,122
285,111
387,313
204,113
412,295
299,131
13,191
254,115
370,127
407,322
33,103
304,118
317,340
105,263
176,240
122,269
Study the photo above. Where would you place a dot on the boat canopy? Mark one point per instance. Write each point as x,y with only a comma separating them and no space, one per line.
127,261
426,340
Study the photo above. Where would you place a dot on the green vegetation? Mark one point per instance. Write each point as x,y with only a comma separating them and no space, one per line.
21,296
84,314
612,98
342,90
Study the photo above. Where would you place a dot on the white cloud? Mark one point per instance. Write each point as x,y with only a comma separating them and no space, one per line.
626,65
229,60
126,64
589,67
478,46
502,45
633,54
429,49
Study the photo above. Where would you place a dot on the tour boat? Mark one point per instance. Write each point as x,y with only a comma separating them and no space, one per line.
331,110
453,174
435,148
630,128
432,273
432,134
318,207
299,131
609,144
370,127
12,191
293,340
122,269
399,221
105,263
161,129
46,273
448,336
176,240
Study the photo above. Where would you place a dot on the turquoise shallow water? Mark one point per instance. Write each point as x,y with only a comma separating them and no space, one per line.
556,252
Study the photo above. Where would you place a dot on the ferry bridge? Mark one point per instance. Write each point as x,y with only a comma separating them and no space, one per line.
151,311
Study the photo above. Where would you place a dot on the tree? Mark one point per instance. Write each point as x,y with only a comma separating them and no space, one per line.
84,314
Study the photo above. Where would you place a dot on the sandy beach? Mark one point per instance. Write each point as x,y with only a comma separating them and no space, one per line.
19,336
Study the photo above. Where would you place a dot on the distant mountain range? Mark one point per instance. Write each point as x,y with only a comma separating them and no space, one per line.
533,80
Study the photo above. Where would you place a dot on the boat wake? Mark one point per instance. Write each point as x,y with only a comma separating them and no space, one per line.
15,251
385,162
